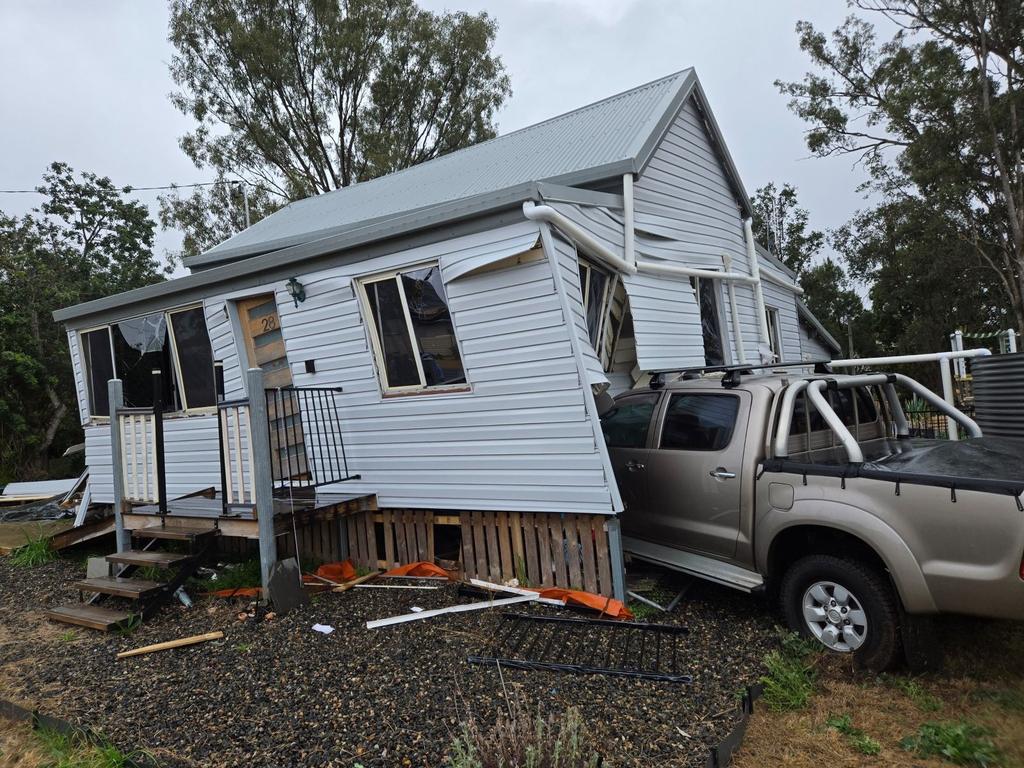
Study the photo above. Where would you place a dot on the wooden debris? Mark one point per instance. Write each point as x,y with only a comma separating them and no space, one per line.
396,586
359,580
450,609
171,644
515,591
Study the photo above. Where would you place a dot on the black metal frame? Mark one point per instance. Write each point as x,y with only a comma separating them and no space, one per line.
503,652
735,372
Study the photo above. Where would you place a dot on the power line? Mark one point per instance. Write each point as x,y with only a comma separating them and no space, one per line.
134,189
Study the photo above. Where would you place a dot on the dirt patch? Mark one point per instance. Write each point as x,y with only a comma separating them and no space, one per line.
278,693
983,684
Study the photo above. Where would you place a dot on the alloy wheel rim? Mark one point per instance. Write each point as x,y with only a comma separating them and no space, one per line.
835,616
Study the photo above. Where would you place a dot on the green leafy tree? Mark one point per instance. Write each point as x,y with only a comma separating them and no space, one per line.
85,240
936,114
830,295
300,97
781,226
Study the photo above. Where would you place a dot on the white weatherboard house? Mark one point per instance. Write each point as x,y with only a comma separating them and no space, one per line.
471,309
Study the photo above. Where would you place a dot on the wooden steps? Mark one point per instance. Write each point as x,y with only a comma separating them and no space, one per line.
133,589
158,558
91,616
175,533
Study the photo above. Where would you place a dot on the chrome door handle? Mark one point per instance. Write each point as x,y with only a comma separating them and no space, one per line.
722,474
633,466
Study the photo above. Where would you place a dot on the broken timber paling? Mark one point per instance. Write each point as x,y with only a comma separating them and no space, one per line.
405,617
544,549
171,644
588,646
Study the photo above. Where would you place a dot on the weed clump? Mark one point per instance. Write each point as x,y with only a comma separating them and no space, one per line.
960,743
33,552
859,740
790,677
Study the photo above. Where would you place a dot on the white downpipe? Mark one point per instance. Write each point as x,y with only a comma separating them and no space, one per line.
771,277
674,270
548,214
755,273
1011,341
629,230
737,329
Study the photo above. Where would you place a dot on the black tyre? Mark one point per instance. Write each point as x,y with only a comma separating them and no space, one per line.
847,605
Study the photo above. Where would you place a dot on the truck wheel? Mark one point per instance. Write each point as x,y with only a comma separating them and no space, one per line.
844,604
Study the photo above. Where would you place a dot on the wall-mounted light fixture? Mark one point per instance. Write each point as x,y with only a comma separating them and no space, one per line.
296,290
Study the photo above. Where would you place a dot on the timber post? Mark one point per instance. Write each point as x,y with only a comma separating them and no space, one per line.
115,399
262,478
615,554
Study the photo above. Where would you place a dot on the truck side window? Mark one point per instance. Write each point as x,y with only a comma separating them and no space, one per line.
842,403
699,422
625,425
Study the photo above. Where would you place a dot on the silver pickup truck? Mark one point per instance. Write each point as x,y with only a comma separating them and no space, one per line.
811,487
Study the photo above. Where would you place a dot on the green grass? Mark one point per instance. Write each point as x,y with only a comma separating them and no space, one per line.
914,691
790,679
1009,699
857,739
238,576
243,647
34,552
154,573
788,683
74,750
959,743
128,627
69,637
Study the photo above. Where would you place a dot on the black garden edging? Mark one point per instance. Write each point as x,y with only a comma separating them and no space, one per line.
40,721
720,756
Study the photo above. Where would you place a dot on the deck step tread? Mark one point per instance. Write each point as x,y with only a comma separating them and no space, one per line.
91,616
152,557
118,587
175,533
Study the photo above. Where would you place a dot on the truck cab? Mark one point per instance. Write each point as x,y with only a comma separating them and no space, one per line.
809,486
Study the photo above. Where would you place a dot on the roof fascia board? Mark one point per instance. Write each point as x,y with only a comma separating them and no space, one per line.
558,193
261,270
668,115
762,251
426,216
807,315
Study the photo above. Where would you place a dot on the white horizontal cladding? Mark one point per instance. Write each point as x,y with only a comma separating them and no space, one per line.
224,344
666,321
519,439
81,388
191,457
568,262
516,240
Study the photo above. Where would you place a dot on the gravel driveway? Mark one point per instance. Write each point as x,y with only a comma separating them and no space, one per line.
277,693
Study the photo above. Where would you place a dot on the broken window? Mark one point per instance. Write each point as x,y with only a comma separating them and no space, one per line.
594,287
132,349
412,332
771,316
710,320
98,359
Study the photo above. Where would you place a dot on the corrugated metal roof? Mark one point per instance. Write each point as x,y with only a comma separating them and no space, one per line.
594,139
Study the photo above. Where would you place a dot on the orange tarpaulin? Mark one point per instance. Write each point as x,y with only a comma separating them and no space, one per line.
421,568
237,592
605,606
336,572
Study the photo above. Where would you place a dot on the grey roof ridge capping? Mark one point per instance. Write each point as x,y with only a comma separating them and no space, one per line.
353,237
596,142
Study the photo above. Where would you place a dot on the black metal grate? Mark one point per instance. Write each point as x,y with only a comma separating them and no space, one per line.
306,445
588,646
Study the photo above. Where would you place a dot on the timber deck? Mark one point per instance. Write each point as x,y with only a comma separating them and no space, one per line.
209,512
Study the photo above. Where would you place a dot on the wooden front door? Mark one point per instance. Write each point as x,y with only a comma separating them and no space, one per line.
264,345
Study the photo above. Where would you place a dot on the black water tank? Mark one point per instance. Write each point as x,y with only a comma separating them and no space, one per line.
999,394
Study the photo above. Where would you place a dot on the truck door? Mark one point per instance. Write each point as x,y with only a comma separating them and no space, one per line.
695,471
626,428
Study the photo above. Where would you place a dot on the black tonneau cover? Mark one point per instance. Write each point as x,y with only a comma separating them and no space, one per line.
990,464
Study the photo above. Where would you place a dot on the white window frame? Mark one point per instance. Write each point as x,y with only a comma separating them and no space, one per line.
773,320
87,367
361,283
590,266
723,322
175,360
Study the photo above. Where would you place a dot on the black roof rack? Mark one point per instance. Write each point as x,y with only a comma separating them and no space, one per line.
733,373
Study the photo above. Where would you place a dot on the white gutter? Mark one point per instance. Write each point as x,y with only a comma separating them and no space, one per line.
546,213
755,272
737,329
628,229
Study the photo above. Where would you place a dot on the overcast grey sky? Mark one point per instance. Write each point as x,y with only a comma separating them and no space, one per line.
87,83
